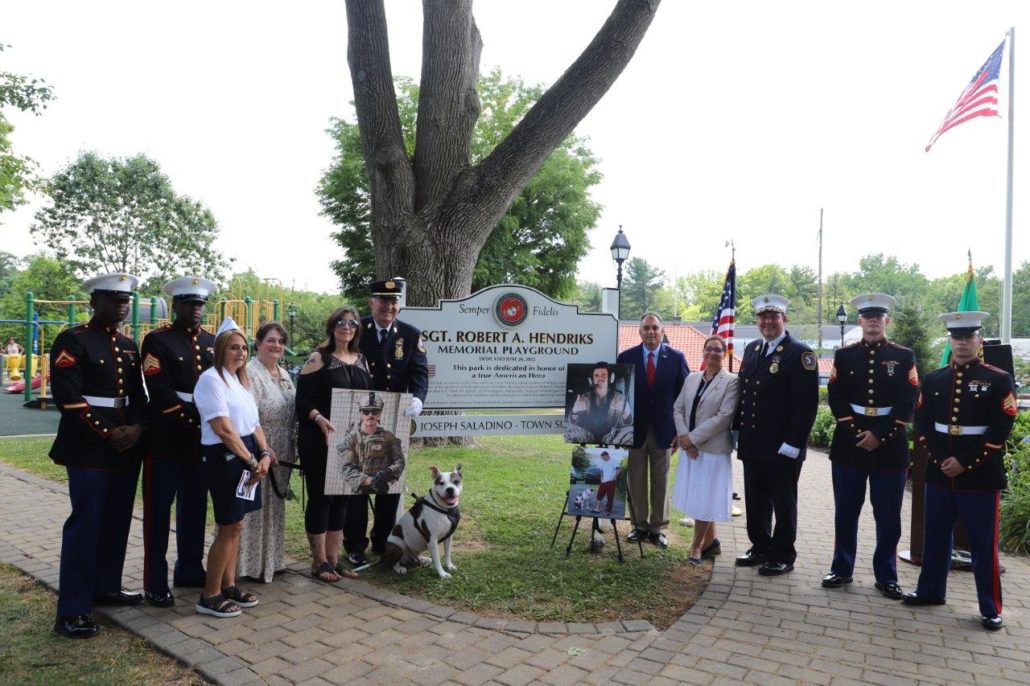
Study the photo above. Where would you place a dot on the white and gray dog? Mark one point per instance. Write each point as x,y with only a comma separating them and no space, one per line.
430,521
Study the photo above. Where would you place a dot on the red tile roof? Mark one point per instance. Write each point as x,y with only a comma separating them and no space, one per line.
690,341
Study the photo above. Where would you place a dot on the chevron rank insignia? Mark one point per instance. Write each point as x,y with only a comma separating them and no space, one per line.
808,361
913,376
1009,405
151,365
64,360
833,374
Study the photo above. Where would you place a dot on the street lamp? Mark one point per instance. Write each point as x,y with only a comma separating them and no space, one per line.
620,253
291,312
842,317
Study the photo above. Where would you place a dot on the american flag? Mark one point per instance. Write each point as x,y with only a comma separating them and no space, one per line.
725,313
979,99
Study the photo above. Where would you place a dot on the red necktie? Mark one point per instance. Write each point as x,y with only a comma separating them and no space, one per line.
650,370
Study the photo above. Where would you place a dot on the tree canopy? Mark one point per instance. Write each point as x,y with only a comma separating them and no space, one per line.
539,240
122,215
433,209
17,172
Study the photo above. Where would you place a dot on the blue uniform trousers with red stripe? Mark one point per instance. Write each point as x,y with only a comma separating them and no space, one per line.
186,483
94,537
886,489
978,512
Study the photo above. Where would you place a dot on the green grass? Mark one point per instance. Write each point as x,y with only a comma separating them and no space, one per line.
31,653
514,491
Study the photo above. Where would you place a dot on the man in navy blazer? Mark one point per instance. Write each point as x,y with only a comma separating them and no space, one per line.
658,378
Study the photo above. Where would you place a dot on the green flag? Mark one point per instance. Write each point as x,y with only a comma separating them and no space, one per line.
967,303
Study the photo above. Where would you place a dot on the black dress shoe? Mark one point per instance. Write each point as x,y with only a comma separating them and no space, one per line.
991,623
750,559
834,580
892,591
711,550
119,598
190,583
357,559
165,599
775,568
913,599
76,626
636,536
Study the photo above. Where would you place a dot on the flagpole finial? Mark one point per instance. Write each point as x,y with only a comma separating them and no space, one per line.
733,250
969,253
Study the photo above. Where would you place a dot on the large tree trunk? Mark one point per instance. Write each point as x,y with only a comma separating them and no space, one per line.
431,215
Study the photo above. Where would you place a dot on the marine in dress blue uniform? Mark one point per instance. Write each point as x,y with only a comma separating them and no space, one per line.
779,395
872,391
174,356
96,383
964,415
397,362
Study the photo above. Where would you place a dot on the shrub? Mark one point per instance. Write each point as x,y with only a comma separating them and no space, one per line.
1014,526
822,430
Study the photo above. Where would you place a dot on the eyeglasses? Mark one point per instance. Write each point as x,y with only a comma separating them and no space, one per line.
237,348
372,412
349,323
714,350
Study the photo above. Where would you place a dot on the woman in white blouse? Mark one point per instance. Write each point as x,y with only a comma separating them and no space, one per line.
230,435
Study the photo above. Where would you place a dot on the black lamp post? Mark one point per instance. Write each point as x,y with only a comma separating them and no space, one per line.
620,253
292,314
842,317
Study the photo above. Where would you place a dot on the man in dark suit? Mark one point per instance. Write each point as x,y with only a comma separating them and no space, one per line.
658,378
779,396
397,362
174,357
96,382
872,391
964,415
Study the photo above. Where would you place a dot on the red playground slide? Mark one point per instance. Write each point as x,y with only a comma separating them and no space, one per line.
19,386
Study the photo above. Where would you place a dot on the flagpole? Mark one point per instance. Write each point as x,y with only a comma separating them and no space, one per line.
1006,291
819,309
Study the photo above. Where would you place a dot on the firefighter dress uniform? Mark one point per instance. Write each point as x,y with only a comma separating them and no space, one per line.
872,387
96,384
174,356
965,411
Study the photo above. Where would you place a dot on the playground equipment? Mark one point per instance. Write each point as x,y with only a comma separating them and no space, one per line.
146,314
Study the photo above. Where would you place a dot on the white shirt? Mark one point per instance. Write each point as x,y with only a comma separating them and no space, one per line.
217,398
608,469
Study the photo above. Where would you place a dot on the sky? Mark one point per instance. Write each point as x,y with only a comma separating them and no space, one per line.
734,121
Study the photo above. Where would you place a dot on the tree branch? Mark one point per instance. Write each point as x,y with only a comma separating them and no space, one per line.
493,184
389,171
448,105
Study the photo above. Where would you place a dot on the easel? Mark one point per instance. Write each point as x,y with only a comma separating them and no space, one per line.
594,527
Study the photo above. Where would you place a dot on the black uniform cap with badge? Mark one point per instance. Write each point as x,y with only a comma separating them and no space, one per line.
389,288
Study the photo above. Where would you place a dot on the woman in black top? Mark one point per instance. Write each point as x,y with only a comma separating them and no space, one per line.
337,363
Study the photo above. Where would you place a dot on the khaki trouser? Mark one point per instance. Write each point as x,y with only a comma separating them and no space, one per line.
649,464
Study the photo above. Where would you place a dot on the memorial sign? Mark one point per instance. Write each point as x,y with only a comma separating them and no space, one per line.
507,347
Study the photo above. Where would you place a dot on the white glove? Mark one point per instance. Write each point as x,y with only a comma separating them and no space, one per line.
790,451
414,409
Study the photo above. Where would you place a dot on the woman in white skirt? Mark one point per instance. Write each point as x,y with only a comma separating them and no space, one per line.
704,478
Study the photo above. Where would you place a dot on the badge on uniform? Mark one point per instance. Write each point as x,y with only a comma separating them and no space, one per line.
808,361
398,349
891,364
774,367
151,365
64,360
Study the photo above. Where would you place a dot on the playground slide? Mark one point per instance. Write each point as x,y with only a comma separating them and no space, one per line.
19,386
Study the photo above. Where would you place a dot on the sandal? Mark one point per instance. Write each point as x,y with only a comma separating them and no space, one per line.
239,596
693,561
323,570
218,606
344,572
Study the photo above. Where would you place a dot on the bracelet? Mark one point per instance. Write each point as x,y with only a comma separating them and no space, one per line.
251,463
264,454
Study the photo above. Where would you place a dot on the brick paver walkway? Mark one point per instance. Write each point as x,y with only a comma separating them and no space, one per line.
744,629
